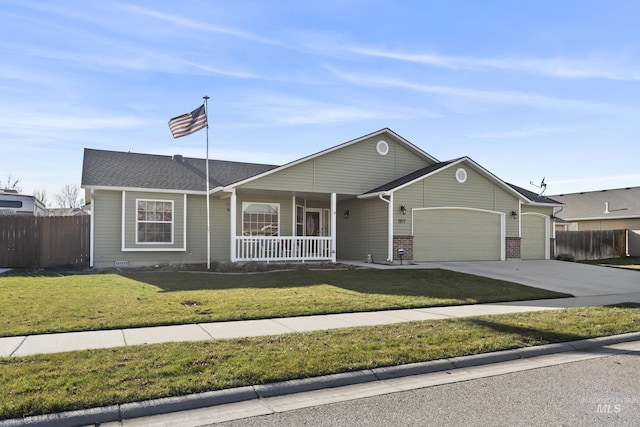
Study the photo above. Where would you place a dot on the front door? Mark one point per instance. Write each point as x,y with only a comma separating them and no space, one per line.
313,223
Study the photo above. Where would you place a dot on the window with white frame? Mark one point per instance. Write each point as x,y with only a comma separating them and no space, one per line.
154,221
260,219
299,220
326,222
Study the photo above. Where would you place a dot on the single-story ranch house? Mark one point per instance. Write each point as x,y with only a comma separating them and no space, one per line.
377,197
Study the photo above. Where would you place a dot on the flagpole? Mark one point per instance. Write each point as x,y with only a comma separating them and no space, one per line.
206,112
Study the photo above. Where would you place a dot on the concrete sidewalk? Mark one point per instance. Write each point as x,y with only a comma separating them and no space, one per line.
72,341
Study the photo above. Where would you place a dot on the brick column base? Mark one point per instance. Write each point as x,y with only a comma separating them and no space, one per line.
512,247
406,243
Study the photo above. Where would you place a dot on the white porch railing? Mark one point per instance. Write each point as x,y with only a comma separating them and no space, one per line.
282,248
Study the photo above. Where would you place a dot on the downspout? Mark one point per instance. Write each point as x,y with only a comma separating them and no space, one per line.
91,230
555,214
390,230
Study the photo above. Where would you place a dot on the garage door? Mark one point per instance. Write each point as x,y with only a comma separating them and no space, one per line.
457,235
534,239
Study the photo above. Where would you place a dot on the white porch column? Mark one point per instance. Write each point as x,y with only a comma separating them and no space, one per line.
390,231
232,224
334,208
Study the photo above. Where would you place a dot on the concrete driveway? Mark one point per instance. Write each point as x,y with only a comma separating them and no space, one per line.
569,277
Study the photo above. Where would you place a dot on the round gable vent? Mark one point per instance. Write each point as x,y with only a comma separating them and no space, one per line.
382,147
461,175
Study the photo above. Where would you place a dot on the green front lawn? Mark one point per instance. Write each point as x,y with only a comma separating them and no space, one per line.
629,263
84,379
56,303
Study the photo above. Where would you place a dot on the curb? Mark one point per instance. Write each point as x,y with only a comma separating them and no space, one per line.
201,400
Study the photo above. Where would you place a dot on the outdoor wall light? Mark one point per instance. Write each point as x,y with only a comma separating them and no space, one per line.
346,214
403,209
514,214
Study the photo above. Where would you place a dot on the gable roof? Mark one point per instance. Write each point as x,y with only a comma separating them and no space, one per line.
115,169
622,203
383,131
408,179
526,196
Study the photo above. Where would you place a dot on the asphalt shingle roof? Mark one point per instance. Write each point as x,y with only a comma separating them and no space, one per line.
623,202
134,170
410,177
534,197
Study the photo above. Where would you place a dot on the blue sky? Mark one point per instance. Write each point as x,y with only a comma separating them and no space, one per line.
527,89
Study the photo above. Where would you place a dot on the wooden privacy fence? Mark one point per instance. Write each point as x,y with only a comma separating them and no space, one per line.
592,244
30,241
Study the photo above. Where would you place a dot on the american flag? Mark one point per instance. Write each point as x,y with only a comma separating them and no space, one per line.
188,123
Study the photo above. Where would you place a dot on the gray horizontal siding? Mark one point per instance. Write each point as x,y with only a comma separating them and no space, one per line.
108,230
364,232
442,190
353,169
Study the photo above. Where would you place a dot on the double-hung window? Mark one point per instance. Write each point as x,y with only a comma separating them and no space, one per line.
154,221
260,219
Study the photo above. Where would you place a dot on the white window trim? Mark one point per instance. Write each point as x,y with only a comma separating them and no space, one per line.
326,222
295,220
172,222
245,204
146,248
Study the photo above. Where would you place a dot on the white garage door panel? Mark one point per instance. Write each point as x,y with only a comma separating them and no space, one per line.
533,244
456,235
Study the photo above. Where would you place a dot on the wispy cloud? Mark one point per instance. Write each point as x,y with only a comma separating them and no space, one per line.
128,58
201,26
284,110
590,67
26,118
485,96
521,133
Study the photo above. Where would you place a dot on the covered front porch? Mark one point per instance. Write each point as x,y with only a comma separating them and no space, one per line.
281,228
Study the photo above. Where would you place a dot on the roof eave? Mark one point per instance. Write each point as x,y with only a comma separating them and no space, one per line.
142,189
375,195
600,218
555,205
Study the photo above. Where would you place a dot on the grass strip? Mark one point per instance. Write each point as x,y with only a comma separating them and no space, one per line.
628,263
69,381
45,304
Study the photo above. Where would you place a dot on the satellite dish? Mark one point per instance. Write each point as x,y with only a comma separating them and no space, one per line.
542,186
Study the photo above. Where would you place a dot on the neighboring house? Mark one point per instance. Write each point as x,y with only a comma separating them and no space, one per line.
616,209
68,211
363,199
13,203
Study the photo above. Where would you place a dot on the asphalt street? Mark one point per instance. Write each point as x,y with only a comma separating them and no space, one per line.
596,392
